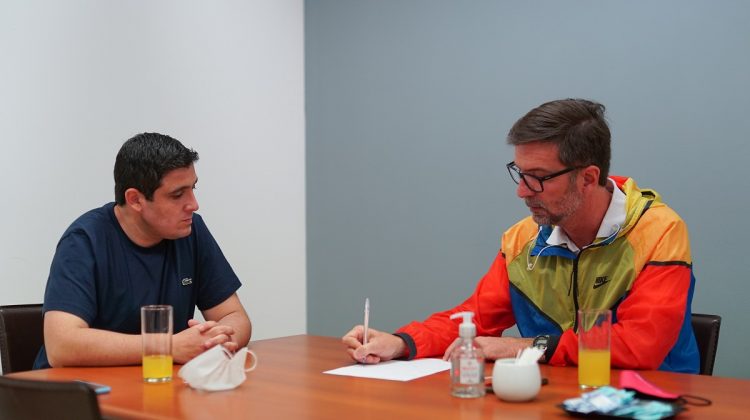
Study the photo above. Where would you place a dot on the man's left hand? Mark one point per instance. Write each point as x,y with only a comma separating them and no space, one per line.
495,347
214,333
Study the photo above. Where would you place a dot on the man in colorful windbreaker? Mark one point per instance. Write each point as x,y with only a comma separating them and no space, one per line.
592,241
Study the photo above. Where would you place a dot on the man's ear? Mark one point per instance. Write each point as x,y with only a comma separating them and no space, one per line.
591,176
134,199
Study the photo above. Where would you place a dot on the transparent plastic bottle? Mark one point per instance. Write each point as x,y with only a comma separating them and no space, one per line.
467,361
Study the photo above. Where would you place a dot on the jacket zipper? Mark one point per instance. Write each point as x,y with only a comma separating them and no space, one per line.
575,290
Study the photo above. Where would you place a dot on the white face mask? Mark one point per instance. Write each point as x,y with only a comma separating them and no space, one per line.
216,369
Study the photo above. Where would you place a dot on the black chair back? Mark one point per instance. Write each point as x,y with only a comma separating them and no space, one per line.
22,399
706,329
21,336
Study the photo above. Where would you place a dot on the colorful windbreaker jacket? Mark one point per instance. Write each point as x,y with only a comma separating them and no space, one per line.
643,274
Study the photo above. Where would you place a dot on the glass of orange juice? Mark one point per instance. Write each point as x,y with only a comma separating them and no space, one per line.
156,332
594,332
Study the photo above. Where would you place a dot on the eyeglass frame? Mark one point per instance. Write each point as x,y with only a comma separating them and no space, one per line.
511,166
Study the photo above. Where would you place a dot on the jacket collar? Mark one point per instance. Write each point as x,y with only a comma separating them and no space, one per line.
613,222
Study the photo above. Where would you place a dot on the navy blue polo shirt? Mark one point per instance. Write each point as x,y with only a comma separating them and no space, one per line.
101,276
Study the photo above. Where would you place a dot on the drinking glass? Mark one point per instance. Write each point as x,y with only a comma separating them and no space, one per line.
594,331
156,331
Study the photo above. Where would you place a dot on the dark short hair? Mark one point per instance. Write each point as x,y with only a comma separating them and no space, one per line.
577,126
143,161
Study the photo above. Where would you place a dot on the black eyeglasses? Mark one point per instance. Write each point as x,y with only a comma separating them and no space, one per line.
535,183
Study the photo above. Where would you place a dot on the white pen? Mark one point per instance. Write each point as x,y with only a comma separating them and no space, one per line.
367,320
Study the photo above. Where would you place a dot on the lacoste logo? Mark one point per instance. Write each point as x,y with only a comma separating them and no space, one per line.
601,281
188,280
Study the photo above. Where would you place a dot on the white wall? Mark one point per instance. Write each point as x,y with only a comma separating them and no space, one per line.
77,78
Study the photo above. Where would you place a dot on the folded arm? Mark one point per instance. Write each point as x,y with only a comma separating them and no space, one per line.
231,313
69,341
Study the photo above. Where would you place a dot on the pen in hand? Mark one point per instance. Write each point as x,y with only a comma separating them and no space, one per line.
367,321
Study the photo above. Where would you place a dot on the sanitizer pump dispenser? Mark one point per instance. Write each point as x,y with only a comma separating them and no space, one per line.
467,361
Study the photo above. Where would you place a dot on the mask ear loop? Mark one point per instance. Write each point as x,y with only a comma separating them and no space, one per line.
617,230
529,265
254,357
693,400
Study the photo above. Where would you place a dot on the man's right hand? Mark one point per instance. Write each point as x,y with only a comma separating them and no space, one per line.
199,337
380,346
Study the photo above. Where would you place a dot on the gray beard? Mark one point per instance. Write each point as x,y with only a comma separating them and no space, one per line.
568,206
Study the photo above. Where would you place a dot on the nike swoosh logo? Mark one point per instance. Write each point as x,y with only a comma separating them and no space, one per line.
601,281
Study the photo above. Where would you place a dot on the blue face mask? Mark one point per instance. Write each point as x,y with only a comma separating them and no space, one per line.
619,403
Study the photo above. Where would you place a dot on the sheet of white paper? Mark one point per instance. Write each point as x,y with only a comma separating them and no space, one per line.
394,370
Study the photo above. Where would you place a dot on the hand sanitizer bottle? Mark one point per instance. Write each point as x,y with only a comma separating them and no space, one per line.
467,361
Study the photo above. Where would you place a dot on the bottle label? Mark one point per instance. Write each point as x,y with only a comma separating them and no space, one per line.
470,372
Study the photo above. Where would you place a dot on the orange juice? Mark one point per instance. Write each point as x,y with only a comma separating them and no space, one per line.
593,368
157,368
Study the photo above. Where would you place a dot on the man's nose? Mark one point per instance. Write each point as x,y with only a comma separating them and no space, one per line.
192,204
523,190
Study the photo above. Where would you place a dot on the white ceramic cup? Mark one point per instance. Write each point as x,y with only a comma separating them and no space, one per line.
512,382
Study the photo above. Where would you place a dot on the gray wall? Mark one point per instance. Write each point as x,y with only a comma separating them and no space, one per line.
408,104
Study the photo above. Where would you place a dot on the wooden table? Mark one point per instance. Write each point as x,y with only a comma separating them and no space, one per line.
289,384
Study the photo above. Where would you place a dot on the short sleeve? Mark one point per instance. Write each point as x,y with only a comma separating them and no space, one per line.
71,286
218,281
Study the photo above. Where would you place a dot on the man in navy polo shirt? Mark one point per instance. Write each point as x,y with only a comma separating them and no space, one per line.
149,247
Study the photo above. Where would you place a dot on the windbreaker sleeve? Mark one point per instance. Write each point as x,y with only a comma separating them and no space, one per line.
492,309
649,319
